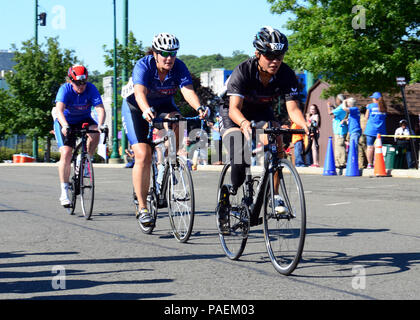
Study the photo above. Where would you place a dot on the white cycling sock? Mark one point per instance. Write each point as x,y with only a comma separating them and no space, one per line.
64,188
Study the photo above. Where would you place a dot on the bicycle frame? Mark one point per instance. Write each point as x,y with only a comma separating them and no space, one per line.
254,200
171,159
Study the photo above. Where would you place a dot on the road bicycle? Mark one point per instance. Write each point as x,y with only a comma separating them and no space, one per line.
175,191
82,181
278,191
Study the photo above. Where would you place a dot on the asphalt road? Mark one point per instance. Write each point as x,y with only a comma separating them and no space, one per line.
363,243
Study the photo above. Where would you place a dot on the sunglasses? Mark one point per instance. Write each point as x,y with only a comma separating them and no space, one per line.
79,82
166,54
273,56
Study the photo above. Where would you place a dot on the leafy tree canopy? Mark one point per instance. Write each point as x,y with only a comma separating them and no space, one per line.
196,65
358,46
38,74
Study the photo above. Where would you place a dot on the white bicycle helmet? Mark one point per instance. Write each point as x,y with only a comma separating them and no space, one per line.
165,42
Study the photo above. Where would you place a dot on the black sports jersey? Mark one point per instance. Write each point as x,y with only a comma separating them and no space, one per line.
245,82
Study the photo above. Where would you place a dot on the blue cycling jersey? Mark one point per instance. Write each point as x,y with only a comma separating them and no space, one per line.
78,106
159,93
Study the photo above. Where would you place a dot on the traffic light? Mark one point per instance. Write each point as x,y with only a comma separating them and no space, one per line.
42,19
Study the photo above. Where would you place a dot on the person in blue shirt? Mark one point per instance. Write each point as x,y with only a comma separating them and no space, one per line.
340,130
74,102
376,123
353,120
155,80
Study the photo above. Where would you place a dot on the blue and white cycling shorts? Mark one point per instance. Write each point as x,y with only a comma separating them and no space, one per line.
135,126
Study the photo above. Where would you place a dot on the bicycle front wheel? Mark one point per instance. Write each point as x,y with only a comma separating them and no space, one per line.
234,238
87,186
284,218
180,195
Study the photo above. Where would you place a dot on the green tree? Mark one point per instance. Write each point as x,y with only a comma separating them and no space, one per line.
38,74
196,65
126,55
358,46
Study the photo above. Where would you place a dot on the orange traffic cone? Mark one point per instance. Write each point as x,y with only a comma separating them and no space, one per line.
379,164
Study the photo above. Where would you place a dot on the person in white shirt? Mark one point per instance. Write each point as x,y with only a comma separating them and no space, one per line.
404,143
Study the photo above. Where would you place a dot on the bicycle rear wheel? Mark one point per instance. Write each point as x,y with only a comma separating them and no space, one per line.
181,204
284,232
233,240
87,186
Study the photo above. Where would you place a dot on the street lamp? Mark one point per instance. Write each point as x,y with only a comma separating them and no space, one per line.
40,19
402,83
115,153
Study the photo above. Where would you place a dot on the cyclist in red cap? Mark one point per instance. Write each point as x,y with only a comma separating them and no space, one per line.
74,102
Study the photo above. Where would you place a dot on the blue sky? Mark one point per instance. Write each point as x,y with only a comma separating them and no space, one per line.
203,27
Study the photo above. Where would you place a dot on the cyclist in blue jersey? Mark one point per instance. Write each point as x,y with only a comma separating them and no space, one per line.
155,78
74,102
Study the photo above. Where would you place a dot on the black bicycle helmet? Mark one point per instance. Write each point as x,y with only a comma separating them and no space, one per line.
270,40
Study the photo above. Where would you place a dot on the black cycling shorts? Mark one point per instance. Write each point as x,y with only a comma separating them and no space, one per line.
70,140
135,126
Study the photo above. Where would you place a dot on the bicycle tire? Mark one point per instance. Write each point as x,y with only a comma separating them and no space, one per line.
234,243
151,202
181,201
73,189
285,233
74,184
87,186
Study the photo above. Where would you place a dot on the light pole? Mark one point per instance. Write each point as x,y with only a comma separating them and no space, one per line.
124,143
38,17
115,153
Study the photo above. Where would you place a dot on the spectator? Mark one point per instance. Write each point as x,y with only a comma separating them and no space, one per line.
376,116
297,140
217,139
362,140
404,143
355,131
315,116
340,130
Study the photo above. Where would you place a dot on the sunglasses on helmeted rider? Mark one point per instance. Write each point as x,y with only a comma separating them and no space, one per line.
273,56
166,54
79,82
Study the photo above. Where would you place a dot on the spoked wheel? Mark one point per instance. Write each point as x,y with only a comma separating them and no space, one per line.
285,219
73,189
87,186
234,215
180,195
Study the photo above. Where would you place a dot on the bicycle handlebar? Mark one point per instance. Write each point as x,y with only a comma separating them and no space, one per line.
169,120
82,131
281,131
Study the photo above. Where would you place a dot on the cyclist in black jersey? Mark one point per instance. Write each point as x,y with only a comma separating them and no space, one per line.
254,87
